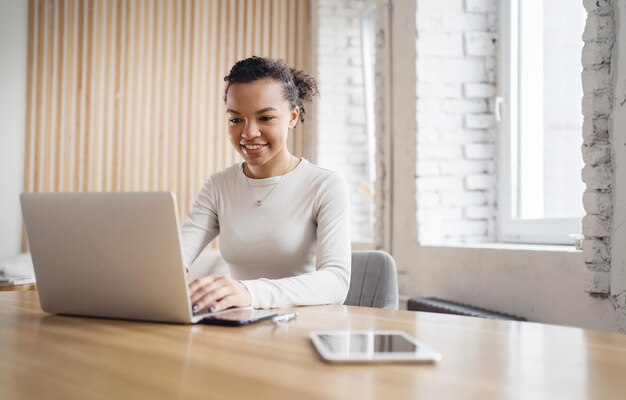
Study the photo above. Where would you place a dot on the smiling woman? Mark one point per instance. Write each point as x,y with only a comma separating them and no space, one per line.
283,222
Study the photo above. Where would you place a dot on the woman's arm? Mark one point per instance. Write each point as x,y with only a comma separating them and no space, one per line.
201,224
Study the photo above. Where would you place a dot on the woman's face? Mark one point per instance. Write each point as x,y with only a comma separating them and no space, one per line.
259,119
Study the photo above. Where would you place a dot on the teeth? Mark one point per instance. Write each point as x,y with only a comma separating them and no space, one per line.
253,146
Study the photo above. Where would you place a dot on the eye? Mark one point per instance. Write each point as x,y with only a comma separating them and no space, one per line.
266,118
234,120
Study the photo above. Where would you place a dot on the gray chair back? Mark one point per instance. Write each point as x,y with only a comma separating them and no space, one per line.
374,280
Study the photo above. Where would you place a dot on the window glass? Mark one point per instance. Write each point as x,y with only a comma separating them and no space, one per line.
550,117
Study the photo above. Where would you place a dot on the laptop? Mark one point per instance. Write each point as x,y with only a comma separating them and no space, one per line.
112,255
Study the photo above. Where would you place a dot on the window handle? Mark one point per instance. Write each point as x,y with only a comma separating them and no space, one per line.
496,107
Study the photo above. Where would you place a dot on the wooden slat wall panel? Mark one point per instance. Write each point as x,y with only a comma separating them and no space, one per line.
126,95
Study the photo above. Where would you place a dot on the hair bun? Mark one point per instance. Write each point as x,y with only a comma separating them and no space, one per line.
298,86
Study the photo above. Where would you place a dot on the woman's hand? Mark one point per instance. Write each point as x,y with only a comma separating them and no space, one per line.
218,293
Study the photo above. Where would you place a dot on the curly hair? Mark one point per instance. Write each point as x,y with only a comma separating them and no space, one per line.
298,87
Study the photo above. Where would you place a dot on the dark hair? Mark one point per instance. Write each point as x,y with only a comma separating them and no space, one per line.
298,87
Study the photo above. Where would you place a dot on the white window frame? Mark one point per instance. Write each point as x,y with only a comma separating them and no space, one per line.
510,229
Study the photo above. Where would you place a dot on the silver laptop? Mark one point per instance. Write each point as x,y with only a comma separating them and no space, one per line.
114,255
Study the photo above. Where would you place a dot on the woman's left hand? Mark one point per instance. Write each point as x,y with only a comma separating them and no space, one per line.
218,293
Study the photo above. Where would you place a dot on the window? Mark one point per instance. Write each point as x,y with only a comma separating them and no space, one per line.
345,131
540,121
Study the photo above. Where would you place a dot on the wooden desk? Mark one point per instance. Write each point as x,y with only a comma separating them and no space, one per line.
53,357
17,288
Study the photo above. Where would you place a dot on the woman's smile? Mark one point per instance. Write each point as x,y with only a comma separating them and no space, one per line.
253,149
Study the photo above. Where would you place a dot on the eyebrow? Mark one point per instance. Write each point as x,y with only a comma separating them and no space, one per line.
261,111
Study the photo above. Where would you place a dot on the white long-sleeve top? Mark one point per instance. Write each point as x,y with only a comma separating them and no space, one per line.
293,249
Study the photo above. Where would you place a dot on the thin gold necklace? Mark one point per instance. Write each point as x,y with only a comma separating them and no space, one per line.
259,202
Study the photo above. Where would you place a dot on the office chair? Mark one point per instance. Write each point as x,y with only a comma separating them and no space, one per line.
374,281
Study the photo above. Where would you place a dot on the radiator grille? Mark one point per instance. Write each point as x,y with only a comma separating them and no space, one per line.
433,304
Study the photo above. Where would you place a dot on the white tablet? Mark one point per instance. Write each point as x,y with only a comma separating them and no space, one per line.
371,346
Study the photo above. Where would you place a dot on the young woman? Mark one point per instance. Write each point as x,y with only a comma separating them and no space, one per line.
283,222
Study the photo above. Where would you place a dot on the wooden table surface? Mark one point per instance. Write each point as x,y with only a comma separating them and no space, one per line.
9,288
46,356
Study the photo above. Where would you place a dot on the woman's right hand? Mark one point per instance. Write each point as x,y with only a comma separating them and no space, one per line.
217,293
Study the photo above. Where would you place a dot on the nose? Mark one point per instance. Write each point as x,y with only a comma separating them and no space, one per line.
250,131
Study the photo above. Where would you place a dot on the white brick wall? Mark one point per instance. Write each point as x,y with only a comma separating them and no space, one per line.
341,130
599,36
456,50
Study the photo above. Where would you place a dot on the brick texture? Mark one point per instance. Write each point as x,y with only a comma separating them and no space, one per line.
456,84
597,173
342,140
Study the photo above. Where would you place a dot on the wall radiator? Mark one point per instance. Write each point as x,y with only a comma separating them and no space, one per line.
433,304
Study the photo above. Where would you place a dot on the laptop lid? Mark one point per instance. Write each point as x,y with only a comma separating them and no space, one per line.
115,255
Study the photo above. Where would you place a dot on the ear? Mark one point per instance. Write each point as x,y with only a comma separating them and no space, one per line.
294,117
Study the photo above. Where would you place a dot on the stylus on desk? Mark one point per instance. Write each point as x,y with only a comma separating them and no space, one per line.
282,318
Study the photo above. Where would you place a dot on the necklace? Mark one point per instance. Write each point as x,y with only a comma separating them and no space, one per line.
259,202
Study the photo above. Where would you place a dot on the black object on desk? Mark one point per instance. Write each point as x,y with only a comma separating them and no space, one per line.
435,305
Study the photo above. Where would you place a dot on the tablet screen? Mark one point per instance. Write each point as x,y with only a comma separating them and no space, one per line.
367,343
367,346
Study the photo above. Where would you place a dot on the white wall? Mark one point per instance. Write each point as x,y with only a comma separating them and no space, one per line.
543,286
13,46
456,129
